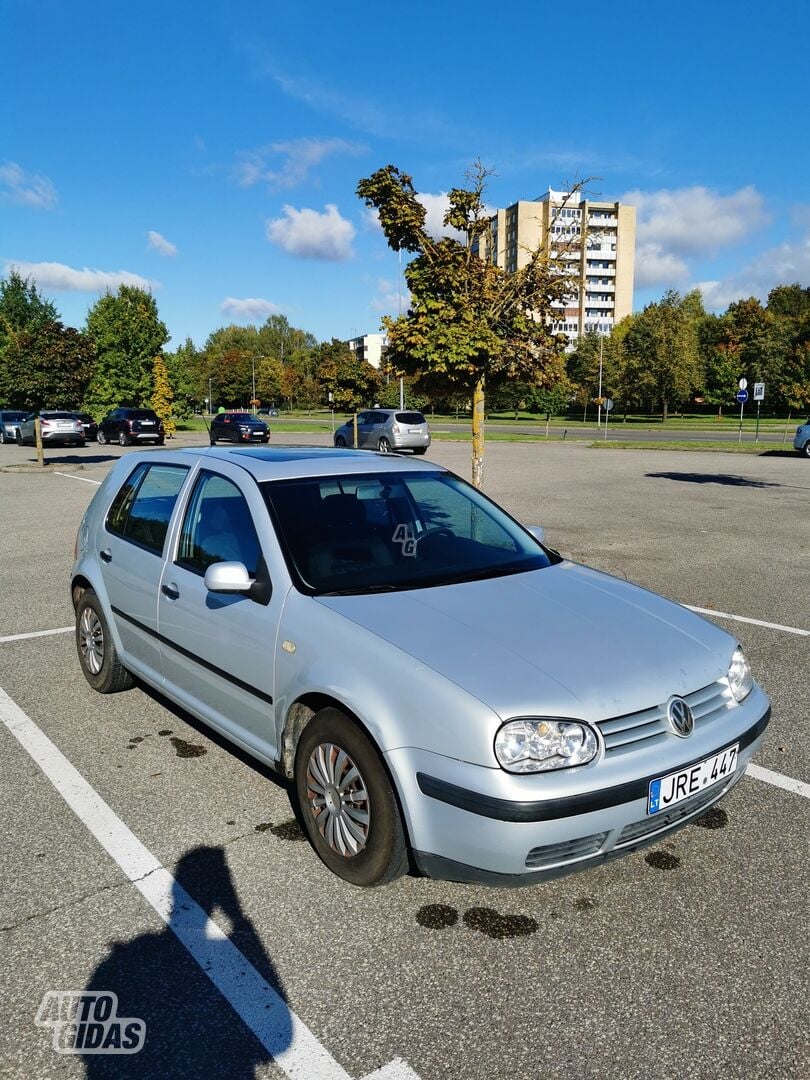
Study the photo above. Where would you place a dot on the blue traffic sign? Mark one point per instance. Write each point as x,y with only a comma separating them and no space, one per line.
742,396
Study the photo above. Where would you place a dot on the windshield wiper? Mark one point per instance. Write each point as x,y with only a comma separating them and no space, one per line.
360,590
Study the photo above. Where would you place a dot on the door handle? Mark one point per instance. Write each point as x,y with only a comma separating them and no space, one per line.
106,555
171,591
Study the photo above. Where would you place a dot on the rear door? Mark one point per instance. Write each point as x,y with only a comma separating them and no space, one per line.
219,649
131,544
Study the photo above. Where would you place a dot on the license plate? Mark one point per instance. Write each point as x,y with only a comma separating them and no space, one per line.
147,423
674,788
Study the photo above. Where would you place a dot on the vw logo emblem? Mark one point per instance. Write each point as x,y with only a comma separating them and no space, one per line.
680,717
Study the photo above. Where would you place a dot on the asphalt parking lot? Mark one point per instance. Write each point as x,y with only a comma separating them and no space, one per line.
687,959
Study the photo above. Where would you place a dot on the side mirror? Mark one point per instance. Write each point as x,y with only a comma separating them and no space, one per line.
228,577
538,532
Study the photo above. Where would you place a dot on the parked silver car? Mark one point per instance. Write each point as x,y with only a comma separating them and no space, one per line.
801,441
10,420
57,427
386,430
439,685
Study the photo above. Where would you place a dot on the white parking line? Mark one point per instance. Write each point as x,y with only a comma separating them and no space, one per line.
70,476
767,776
286,1038
745,619
37,633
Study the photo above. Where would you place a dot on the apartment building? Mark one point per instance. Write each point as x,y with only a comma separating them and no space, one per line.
596,239
368,347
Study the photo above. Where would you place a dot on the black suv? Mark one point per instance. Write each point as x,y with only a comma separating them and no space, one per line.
239,427
127,426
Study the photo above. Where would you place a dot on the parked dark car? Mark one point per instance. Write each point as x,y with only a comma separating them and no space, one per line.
127,426
57,427
239,427
88,423
268,412
10,420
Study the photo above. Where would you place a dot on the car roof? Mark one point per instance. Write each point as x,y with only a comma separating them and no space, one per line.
290,462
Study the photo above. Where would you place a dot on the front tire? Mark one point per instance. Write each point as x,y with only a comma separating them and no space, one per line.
160,442
347,803
340,442
805,450
101,438
19,438
98,655
123,438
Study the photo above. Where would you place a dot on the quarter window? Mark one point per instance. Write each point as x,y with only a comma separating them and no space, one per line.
142,509
218,527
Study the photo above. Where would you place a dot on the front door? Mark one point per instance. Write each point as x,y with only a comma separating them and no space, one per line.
218,649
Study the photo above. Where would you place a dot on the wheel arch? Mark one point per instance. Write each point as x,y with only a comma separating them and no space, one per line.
299,714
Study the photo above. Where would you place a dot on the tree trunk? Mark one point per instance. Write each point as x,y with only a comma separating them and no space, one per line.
478,434
664,412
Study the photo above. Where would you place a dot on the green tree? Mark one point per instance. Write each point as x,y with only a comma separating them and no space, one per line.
127,334
470,325
163,396
352,382
22,311
185,378
662,349
49,367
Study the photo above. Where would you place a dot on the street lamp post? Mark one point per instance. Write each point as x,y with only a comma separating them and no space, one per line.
210,399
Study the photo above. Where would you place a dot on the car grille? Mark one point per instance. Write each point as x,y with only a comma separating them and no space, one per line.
660,822
624,733
566,851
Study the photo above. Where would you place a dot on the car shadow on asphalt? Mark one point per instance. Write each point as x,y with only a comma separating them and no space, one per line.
726,479
190,1030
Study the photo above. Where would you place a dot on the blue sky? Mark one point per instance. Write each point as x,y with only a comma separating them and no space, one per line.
213,150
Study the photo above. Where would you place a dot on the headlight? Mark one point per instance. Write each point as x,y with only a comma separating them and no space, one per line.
740,678
243,428
528,746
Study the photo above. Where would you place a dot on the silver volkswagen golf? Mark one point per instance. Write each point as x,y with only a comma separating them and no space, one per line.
444,691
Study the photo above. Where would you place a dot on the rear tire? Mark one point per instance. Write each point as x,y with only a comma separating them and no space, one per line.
347,803
805,450
19,438
98,655
160,442
421,450
384,446
123,438
340,442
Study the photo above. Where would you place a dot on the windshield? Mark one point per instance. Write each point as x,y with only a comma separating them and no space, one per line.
383,532
242,417
12,415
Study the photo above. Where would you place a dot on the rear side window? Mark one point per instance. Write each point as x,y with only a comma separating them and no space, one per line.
142,509
410,418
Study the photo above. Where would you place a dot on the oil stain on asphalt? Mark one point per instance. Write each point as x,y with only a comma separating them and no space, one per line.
662,860
186,749
484,920
716,818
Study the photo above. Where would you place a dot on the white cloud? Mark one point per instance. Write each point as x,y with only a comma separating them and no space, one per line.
783,265
26,189
298,157
436,207
654,265
387,300
309,234
249,308
695,220
160,244
371,219
50,275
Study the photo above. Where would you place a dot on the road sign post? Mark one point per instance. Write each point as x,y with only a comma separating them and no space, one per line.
742,397
607,405
759,397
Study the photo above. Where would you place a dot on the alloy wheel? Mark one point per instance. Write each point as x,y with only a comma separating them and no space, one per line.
91,640
338,799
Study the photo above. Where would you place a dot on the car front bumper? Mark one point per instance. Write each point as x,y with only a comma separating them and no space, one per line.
463,828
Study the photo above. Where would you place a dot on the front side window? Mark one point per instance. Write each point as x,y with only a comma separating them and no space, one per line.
382,532
218,527
142,509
